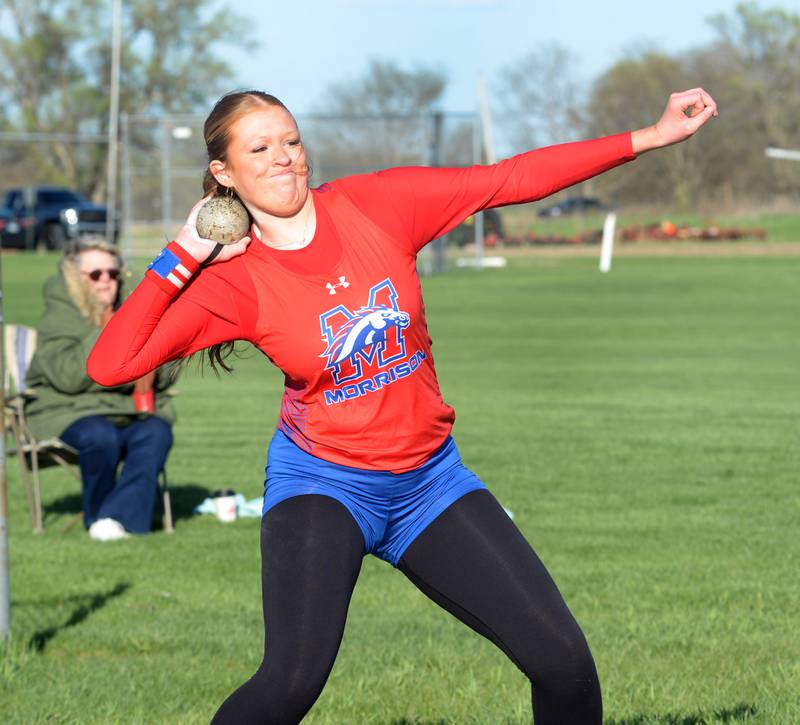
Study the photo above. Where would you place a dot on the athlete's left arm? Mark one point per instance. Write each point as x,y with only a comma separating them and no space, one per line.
442,198
421,203
417,204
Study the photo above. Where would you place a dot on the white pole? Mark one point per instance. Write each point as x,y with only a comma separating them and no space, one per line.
607,248
113,122
486,123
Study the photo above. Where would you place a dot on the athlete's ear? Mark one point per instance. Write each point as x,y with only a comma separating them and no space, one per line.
219,172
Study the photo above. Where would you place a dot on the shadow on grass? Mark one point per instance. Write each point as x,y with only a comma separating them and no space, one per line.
69,503
737,713
91,603
185,496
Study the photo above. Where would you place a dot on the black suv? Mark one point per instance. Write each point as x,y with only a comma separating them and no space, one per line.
46,217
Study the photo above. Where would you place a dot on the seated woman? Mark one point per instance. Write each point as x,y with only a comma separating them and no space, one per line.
105,425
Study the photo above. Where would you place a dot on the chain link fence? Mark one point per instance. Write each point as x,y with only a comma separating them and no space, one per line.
163,160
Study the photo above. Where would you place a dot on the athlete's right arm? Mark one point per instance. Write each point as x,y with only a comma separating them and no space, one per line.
156,324
159,323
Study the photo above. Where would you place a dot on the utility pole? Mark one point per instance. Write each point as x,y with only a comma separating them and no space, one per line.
113,121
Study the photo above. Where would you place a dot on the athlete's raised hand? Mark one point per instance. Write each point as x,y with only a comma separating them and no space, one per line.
202,249
686,112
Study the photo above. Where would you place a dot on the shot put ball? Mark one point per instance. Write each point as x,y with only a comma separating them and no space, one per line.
223,219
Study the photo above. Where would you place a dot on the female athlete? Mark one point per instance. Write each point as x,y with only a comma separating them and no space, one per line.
362,461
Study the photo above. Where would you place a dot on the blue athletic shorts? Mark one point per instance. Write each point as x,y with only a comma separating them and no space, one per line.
391,509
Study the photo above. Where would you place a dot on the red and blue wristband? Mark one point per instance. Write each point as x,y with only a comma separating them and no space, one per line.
172,268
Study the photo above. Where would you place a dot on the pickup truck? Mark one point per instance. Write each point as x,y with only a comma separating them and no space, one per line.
47,217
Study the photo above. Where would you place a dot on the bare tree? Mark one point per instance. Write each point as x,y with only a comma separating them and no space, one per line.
541,99
756,60
631,94
752,69
381,118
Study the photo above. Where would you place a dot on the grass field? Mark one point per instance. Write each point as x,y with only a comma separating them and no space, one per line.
643,427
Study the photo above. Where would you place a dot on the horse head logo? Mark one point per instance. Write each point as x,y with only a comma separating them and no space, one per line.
367,327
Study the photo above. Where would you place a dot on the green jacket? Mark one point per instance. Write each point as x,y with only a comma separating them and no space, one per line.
57,374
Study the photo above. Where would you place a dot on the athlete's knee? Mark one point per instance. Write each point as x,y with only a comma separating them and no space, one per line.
566,673
299,697
272,696
562,662
575,674
567,690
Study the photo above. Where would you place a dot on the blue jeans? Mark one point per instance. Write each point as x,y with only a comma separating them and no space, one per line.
143,445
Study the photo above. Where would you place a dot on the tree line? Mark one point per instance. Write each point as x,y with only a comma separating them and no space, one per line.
751,67
55,70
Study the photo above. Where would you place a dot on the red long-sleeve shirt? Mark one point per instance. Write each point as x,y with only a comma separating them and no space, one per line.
343,317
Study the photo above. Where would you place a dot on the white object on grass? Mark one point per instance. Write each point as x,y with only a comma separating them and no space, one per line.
481,262
244,507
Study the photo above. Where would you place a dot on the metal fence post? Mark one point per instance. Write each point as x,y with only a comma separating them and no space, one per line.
166,179
127,184
438,246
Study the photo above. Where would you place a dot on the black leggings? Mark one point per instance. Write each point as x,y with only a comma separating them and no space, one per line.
472,560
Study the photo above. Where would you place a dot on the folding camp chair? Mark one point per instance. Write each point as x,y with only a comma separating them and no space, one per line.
34,454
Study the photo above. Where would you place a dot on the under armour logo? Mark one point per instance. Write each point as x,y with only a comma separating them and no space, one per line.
332,287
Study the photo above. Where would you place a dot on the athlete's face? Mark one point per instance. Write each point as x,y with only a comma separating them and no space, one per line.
266,162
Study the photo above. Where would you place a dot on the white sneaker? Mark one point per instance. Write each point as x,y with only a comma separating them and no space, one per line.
107,530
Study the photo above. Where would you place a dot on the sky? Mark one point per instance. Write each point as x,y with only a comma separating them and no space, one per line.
302,46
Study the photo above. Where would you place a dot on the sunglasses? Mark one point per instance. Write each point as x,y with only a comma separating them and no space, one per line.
96,274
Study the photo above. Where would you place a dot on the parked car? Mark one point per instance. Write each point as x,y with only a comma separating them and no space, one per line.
47,217
573,205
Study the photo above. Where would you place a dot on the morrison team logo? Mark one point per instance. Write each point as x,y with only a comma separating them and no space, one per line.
371,335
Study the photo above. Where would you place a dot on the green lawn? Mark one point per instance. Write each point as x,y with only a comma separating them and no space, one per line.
643,427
